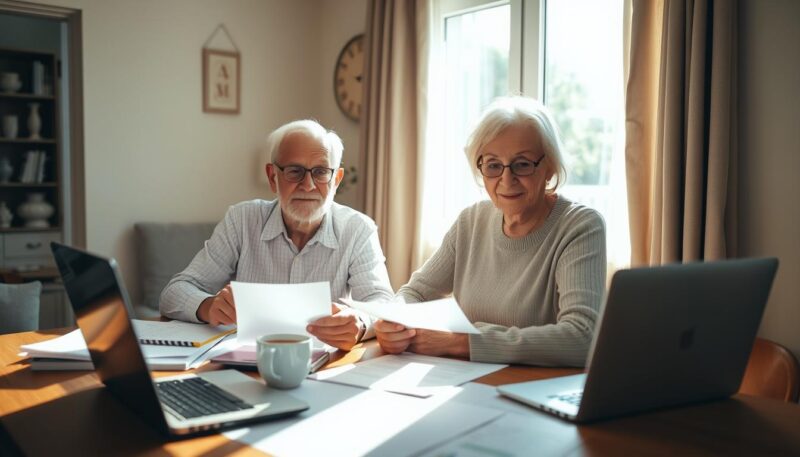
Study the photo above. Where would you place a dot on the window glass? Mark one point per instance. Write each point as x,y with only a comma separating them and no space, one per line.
584,90
474,72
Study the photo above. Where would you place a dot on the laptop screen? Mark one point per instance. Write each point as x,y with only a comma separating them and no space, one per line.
100,302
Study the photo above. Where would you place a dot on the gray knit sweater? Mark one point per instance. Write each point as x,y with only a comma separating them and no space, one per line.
534,299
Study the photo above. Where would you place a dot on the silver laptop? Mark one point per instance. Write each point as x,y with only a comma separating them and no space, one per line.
177,405
667,336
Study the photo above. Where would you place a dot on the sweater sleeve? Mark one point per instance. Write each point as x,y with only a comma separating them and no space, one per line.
435,279
209,271
580,282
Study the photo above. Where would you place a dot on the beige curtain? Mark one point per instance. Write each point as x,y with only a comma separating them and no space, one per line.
392,127
680,130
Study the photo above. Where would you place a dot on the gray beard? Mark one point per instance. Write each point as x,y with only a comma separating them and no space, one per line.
304,216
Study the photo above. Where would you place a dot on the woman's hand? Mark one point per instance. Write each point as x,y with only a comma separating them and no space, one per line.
431,342
393,338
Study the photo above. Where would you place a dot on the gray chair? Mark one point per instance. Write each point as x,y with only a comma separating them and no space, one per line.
19,307
165,249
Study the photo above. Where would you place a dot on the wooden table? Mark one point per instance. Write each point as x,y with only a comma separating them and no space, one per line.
68,413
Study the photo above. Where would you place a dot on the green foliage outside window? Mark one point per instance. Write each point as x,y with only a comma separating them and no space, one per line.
586,137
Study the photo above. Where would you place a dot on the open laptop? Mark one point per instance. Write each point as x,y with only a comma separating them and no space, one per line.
176,405
667,336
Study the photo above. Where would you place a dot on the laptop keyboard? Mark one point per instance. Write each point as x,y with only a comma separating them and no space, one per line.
573,398
196,397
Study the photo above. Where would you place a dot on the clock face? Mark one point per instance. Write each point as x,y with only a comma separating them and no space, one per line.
347,77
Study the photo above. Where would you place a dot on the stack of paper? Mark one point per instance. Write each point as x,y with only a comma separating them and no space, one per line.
69,352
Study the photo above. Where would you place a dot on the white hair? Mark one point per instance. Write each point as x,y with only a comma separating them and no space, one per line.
312,129
505,112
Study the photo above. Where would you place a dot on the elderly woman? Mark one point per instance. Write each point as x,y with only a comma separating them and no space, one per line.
527,267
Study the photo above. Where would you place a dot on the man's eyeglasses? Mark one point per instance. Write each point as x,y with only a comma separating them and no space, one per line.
520,167
296,173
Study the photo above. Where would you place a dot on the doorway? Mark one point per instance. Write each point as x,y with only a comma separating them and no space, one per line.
42,195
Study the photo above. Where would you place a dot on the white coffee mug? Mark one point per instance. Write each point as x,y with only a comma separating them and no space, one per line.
283,359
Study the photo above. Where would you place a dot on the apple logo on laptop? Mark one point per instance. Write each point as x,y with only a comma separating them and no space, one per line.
687,339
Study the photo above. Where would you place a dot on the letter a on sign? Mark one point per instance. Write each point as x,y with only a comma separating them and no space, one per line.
221,79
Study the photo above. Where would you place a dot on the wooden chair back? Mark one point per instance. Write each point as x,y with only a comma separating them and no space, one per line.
772,372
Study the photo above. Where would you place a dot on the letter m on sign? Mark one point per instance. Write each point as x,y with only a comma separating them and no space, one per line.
222,87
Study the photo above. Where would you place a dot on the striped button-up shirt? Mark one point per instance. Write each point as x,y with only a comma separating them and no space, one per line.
251,244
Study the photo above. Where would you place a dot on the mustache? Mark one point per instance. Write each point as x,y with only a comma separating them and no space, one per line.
302,196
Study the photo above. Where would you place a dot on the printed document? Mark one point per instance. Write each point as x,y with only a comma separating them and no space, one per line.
386,424
262,309
410,374
443,315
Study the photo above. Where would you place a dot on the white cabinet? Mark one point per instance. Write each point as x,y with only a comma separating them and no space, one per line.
26,251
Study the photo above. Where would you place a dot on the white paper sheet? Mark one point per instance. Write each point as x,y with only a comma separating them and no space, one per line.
70,346
522,431
487,396
443,315
381,423
262,309
513,435
410,374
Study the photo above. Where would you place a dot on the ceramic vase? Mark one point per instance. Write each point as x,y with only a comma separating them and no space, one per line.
34,121
10,126
6,170
35,211
5,216
10,82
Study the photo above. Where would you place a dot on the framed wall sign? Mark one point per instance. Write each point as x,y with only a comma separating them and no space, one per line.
221,81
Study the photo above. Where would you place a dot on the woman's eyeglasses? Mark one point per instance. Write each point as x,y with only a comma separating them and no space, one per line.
520,167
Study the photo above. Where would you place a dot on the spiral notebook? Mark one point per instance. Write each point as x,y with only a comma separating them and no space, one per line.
176,333
245,356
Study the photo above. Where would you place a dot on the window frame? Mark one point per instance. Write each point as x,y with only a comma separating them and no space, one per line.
527,34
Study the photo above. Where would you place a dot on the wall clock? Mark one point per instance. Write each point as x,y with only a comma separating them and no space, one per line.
347,77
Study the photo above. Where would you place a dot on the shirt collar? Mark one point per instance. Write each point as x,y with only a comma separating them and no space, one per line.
325,235
274,225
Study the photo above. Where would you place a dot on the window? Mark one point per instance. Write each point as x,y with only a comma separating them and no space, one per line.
567,53
583,87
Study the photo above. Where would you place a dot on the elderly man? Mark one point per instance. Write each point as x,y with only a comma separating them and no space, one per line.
302,236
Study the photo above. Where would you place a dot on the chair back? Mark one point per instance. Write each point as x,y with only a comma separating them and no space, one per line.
19,307
165,249
772,372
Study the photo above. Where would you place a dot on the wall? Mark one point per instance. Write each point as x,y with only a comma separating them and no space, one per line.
151,153
769,134
340,21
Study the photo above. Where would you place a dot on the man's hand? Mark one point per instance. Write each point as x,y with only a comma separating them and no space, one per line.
219,309
393,338
341,330
431,342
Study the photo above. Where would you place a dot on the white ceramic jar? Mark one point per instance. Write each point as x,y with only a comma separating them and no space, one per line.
36,211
